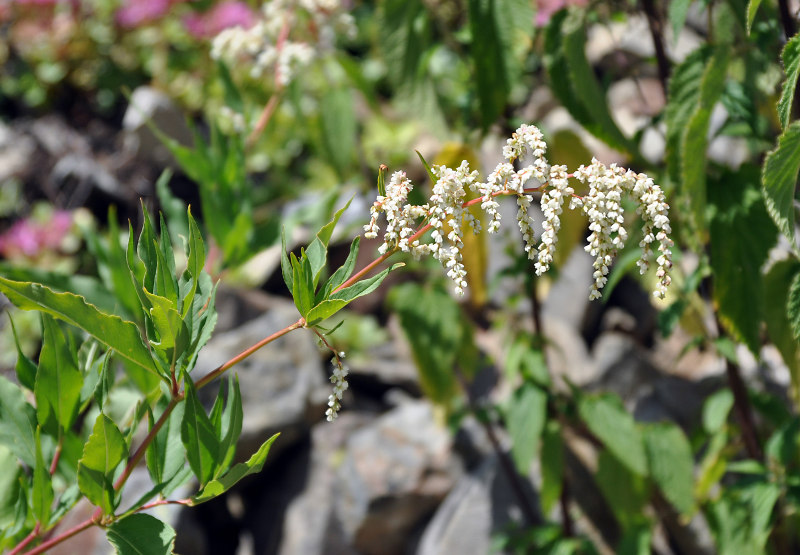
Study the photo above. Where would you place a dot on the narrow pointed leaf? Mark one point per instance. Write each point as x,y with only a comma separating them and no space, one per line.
793,306
286,267
365,286
58,380
42,487
231,424
325,233
197,260
198,436
345,270
219,486
104,451
141,534
25,367
303,284
428,169
147,250
165,455
112,331
525,422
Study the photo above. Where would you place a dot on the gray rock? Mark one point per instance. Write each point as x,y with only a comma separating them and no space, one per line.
151,105
16,151
568,298
480,505
394,474
283,385
57,138
80,174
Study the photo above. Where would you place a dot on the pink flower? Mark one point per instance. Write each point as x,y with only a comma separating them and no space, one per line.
139,12
226,14
29,237
546,8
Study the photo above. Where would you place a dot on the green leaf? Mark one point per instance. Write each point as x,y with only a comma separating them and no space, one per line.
166,283
172,331
552,461
9,487
793,306
326,232
496,27
112,331
198,436
146,248
197,260
25,367
338,129
42,487
141,534
752,9
229,427
343,272
777,284
671,464
684,97
791,64
779,179
695,141
286,267
676,13
165,455
303,284
585,86
625,491
433,323
428,169
102,454
219,486
716,410
525,420
741,237
58,380
606,418
17,422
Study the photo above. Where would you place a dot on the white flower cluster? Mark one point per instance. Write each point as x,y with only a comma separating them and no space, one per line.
340,385
267,44
446,213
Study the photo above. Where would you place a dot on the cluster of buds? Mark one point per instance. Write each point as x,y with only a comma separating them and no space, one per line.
340,385
446,214
272,46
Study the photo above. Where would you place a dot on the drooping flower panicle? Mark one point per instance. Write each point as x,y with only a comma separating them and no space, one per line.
445,213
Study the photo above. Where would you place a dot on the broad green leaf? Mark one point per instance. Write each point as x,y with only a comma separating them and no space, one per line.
607,419
345,270
141,534
716,409
229,425
42,487
496,27
102,454
303,284
525,420
17,422
585,86
712,466
777,284
684,97
338,129
198,436
737,256
406,36
625,491
433,323
9,487
525,358
552,464
793,306
58,380
695,141
88,287
783,447
219,486
779,179
112,331
676,13
197,260
671,464
168,323
105,381
25,367
165,456
791,64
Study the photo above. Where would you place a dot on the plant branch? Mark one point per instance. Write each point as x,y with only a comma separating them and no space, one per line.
656,25
42,548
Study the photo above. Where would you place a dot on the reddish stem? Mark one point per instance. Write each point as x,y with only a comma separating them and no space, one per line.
28,539
42,548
